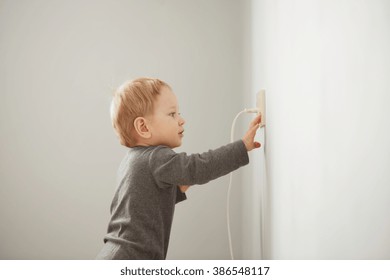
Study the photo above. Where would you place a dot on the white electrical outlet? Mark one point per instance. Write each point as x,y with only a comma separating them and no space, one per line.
260,104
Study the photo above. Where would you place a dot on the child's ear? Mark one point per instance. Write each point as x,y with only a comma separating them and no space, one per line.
141,127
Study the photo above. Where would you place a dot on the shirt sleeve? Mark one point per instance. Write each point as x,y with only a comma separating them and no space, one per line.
170,168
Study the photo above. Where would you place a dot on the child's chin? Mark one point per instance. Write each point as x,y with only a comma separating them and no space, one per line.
177,145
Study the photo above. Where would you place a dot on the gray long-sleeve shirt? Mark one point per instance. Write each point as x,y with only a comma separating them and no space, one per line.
143,205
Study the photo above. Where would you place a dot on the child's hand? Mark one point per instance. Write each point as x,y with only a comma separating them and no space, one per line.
183,189
249,137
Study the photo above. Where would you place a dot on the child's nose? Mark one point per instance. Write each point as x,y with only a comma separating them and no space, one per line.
181,121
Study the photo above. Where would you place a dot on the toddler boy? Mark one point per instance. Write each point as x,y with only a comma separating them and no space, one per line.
152,178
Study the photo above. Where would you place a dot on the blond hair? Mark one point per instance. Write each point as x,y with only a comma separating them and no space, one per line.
131,100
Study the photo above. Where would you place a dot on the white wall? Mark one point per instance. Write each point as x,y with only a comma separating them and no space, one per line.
60,62
326,68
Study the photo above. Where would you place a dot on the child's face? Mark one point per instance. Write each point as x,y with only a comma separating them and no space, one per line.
166,122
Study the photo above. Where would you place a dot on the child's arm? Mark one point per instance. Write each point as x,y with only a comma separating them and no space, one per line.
248,140
170,168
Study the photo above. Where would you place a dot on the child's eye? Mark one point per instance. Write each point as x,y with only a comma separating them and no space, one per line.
172,114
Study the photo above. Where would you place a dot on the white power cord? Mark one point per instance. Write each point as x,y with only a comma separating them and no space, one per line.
253,110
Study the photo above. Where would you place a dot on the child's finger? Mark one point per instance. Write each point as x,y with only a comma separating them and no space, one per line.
254,128
256,120
183,188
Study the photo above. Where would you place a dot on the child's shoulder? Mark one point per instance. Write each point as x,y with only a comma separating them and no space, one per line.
149,157
160,151
150,151
138,149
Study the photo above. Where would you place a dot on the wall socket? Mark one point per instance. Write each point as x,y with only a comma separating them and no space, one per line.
260,104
